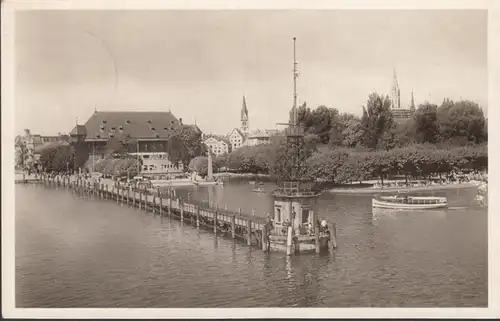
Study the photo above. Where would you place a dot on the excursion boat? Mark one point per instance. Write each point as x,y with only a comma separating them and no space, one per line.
410,202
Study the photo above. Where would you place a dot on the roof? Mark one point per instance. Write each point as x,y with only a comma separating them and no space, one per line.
244,110
217,138
135,124
266,133
238,131
78,130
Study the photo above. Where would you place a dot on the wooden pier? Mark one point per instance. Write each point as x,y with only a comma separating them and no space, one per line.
249,228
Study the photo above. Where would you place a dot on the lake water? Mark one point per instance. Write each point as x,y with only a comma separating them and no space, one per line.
75,252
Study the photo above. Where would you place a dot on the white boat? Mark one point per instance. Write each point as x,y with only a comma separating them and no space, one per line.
259,190
410,202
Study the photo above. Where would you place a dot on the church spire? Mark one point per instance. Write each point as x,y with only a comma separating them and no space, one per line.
395,93
244,116
412,102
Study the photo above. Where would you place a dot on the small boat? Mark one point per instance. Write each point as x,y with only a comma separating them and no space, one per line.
251,182
258,190
410,202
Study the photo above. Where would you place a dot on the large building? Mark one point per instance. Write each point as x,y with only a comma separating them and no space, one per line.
400,114
145,134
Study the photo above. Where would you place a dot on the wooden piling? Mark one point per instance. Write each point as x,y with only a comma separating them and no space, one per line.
264,239
146,201
170,205
316,237
233,226
133,199
140,200
249,232
128,196
154,205
289,241
215,217
181,205
333,236
161,205
198,216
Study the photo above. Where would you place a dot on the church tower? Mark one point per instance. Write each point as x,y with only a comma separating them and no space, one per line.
395,93
244,117
412,103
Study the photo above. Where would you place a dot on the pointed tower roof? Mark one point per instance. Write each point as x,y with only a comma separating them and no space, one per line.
412,102
395,79
244,110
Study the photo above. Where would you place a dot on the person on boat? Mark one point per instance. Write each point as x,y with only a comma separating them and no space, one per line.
406,199
324,225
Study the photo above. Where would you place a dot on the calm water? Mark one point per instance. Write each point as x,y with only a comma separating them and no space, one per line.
74,252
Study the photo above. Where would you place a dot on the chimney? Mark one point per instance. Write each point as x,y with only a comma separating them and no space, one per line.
180,121
27,132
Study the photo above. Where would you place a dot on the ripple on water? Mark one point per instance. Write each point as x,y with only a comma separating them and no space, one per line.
79,253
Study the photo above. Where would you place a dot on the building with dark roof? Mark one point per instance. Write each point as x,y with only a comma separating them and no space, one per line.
144,134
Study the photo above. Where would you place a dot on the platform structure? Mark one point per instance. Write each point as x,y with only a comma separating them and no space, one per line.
295,222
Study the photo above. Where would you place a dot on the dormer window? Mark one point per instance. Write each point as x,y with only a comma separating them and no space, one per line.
172,122
149,122
111,135
171,128
104,122
98,136
127,121
153,129
113,129
102,128
157,136
120,128
165,128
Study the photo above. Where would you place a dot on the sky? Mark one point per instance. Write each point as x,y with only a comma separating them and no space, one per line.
199,64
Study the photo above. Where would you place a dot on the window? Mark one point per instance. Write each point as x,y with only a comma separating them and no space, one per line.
113,129
149,122
171,128
153,129
120,128
278,215
104,122
145,156
157,136
127,121
172,122
165,128
111,135
305,216
98,136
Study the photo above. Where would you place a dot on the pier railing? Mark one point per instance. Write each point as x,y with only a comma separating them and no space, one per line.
252,229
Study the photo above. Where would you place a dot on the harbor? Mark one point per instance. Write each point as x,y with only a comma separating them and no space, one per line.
424,258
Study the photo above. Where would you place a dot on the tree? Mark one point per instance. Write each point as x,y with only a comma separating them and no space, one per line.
185,144
57,159
199,164
351,130
462,122
426,123
377,122
21,147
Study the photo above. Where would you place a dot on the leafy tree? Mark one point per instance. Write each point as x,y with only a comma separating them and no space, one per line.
351,130
185,144
462,122
377,121
426,123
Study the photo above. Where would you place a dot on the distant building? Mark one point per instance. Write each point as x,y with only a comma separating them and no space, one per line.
242,136
399,114
144,134
260,137
218,145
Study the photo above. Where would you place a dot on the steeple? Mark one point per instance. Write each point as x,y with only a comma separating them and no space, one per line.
395,93
412,103
244,116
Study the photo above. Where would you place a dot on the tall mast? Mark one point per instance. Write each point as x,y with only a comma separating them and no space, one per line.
294,120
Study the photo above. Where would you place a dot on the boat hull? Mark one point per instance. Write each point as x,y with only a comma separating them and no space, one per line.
381,204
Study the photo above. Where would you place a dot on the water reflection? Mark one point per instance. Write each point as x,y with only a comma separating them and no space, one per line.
71,253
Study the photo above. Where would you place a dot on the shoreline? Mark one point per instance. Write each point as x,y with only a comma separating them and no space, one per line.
371,190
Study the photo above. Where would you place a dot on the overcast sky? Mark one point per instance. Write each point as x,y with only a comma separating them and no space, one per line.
199,64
